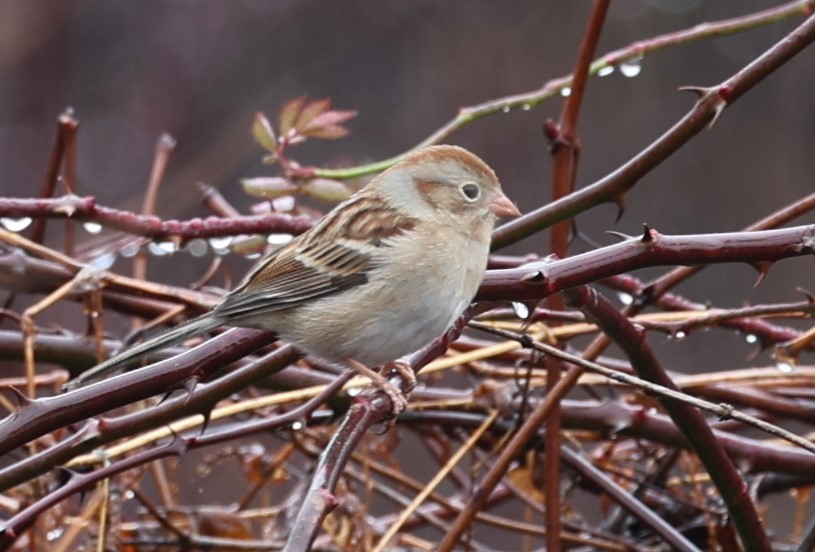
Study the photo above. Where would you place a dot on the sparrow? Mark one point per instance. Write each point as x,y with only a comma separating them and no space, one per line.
378,277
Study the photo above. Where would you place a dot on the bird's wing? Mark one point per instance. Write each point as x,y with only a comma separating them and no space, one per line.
337,254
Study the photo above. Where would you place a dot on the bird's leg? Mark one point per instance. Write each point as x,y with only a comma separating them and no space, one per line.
395,394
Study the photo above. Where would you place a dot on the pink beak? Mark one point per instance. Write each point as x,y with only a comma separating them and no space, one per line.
501,206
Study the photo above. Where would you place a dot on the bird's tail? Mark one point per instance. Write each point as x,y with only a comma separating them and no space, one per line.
179,333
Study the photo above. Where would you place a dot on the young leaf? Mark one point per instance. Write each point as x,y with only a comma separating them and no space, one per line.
310,111
327,189
327,125
289,114
264,133
268,187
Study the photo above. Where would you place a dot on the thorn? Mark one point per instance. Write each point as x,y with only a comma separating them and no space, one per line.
717,110
807,294
701,92
574,232
763,267
22,399
619,235
164,397
536,277
207,414
647,234
189,385
723,93
619,200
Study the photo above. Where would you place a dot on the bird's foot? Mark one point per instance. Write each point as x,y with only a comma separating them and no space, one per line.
397,397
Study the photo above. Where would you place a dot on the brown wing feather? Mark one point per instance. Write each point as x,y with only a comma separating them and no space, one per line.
336,255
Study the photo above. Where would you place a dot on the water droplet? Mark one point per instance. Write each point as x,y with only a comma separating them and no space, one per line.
197,247
104,261
278,239
130,495
220,242
625,298
354,391
156,249
751,338
92,227
520,309
130,250
15,224
526,107
253,256
680,335
631,67
785,367
284,203
54,534
505,109
566,91
605,71
168,246
297,425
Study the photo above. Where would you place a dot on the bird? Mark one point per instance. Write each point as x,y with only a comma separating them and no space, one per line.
378,277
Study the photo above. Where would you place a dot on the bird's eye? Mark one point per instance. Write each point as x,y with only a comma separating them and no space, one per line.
470,190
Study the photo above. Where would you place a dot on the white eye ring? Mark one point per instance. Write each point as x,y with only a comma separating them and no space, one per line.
470,190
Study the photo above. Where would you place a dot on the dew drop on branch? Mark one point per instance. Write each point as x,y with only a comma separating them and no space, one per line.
154,249
197,247
103,261
130,250
92,227
625,298
520,310
751,338
785,367
15,224
221,242
278,239
566,91
631,67
605,71
220,245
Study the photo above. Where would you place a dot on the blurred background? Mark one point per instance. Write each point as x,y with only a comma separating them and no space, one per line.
199,70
